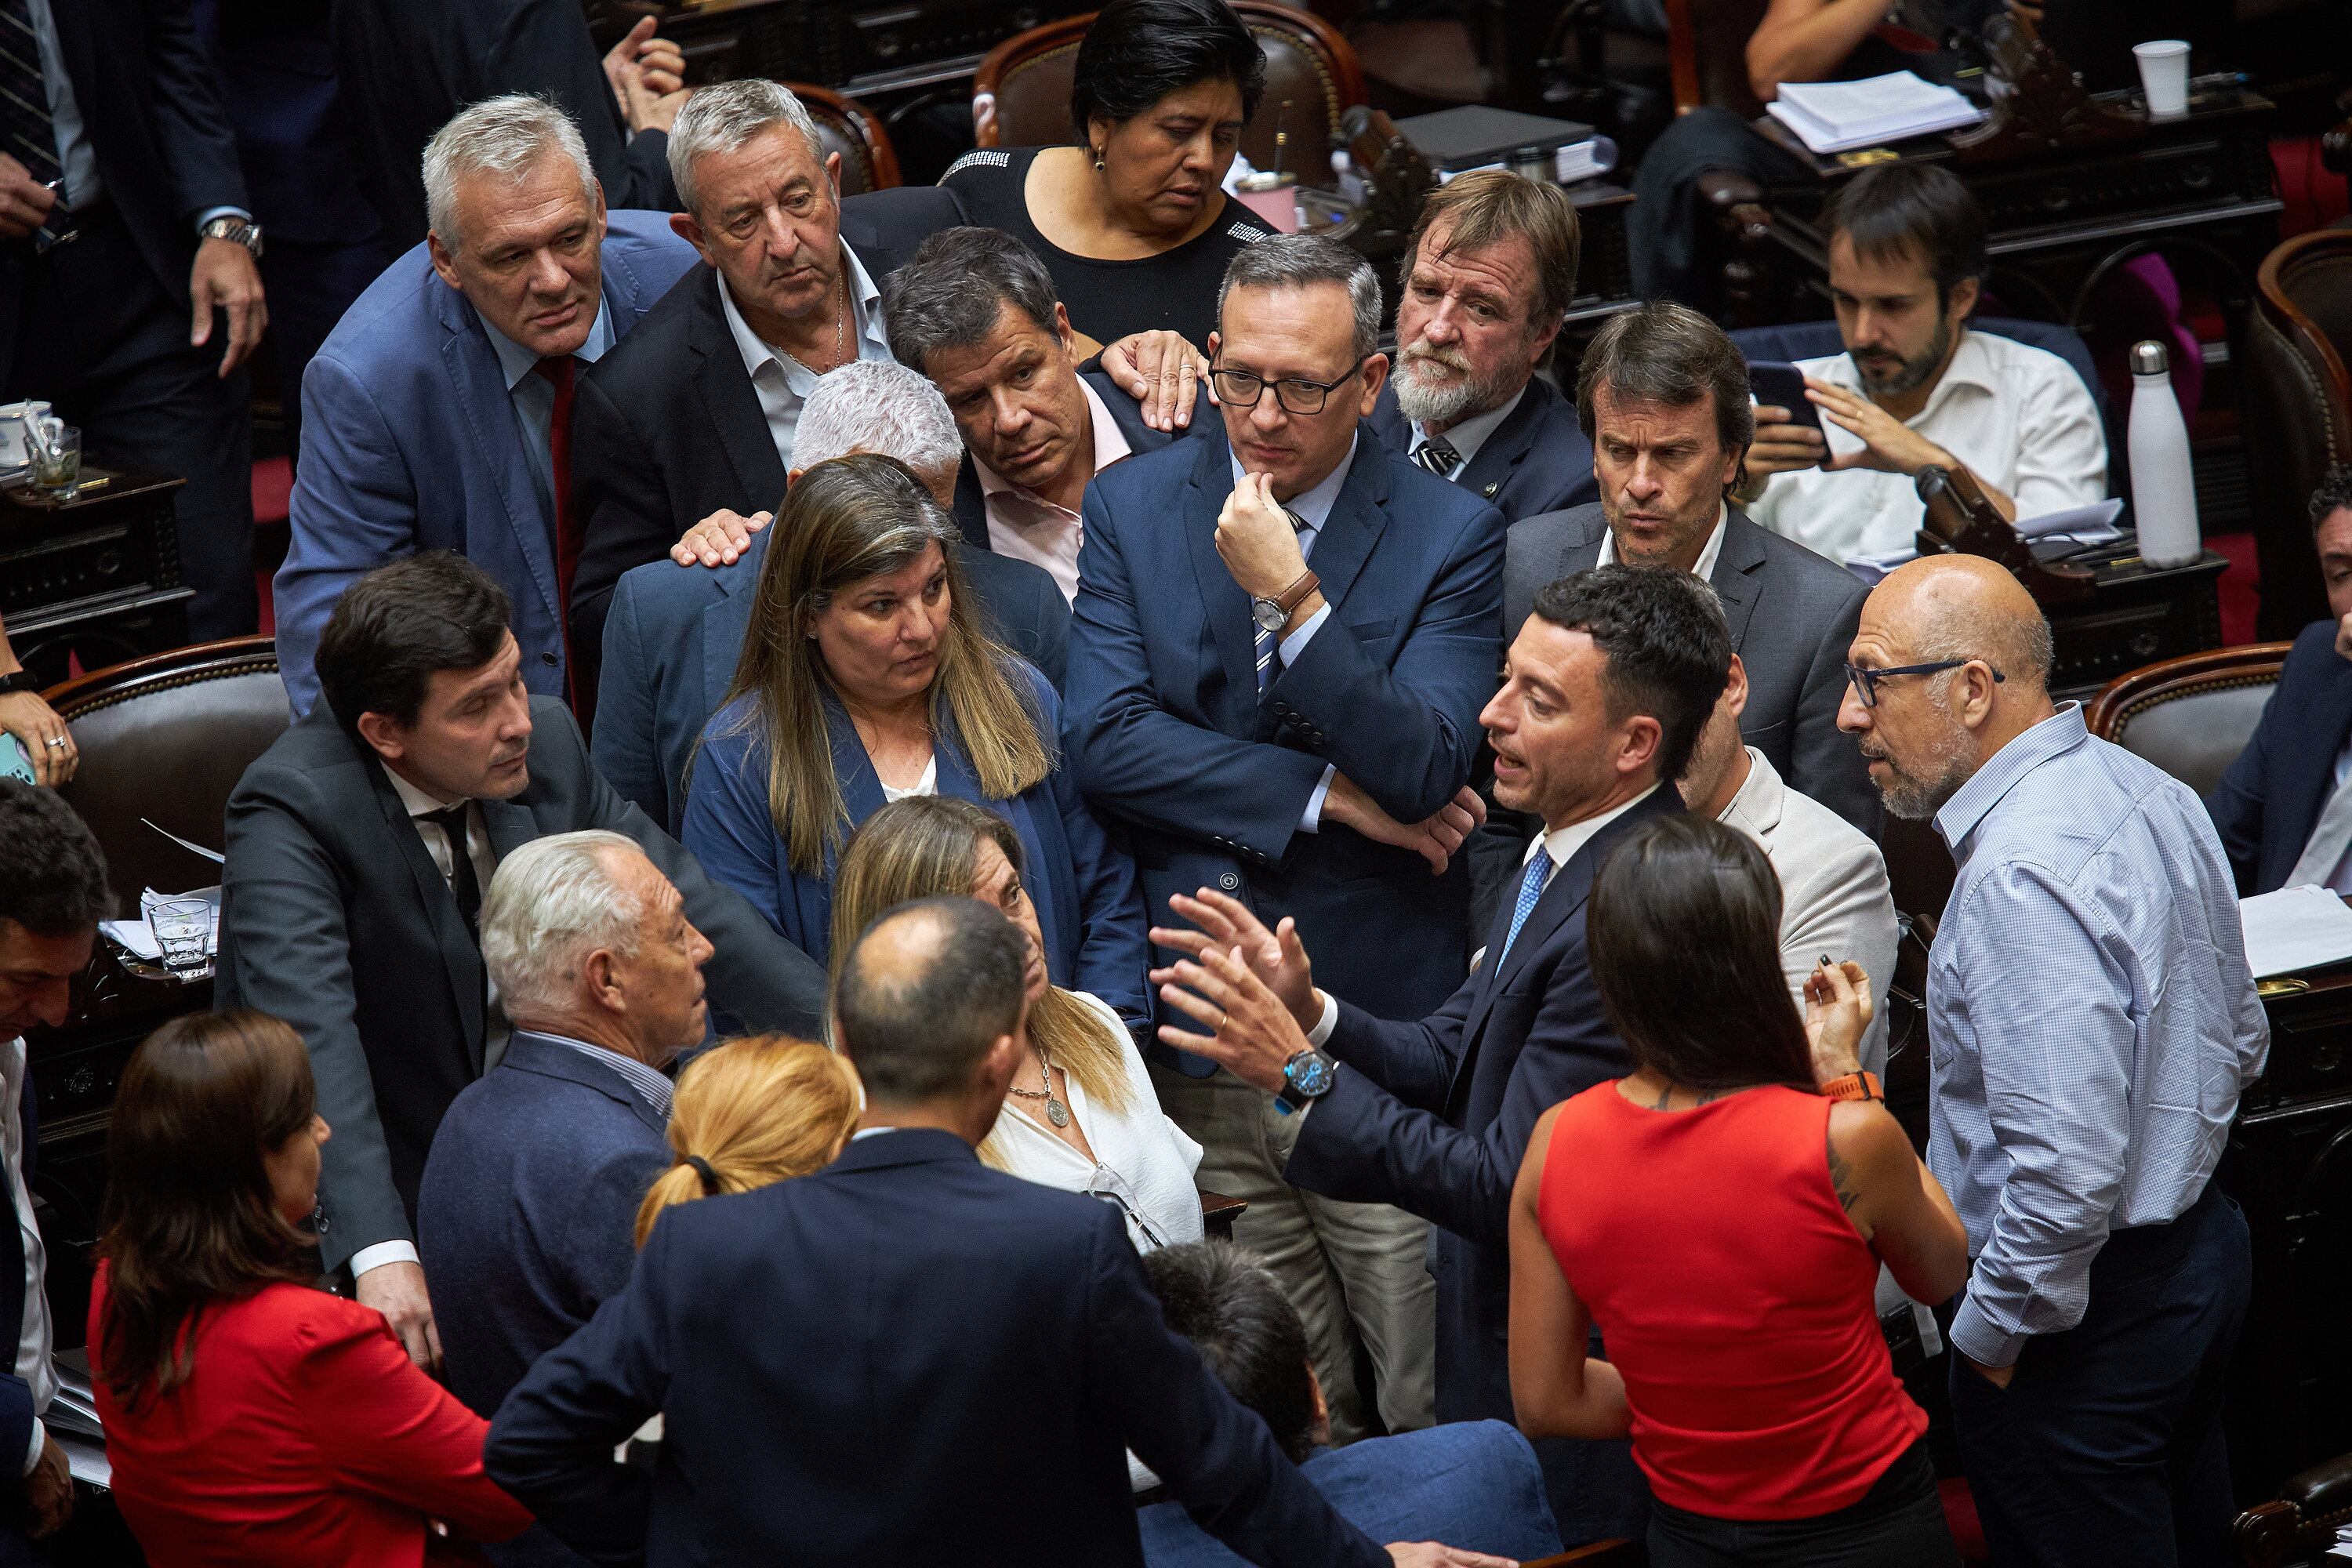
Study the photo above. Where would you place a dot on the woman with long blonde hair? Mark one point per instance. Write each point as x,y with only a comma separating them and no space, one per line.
867,677
1081,1114
750,1113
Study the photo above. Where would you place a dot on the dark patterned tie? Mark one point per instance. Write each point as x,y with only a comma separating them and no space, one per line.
559,370
463,883
26,132
1438,456
1264,639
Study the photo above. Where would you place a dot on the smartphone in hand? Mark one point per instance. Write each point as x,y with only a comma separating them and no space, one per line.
1779,384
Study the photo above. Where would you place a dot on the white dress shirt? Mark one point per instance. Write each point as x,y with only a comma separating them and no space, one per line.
533,398
1467,436
1027,527
927,784
1708,554
33,1339
2020,417
1313,509
782,383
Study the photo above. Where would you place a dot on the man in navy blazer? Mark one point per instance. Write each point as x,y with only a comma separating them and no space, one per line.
427,420
1607,688
2272,807
1002,1350
1283,636
675,631
1488,274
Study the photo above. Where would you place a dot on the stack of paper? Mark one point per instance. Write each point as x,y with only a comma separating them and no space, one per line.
2295,928
2075,528
1583,159
1839,116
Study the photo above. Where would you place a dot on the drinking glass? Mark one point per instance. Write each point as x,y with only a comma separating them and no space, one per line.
56,461
183,930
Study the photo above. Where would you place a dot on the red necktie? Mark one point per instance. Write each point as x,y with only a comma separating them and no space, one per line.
558,370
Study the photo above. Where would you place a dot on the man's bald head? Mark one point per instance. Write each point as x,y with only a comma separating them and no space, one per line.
925,994
1965,606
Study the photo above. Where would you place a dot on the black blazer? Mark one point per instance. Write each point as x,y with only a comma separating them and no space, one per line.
1434,1116
335,917
904,1358
405,67
2267,804
1537,459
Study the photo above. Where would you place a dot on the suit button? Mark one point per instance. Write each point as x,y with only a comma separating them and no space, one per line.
548,657
1230,881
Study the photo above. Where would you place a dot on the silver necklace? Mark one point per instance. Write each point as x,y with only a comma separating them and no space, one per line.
1056,1112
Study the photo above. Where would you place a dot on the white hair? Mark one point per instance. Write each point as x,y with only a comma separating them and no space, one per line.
722,118
877,405
505,136
551,904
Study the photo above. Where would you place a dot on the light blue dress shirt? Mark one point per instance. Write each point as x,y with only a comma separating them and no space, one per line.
2091,1019
1312,507
534,397
650,1084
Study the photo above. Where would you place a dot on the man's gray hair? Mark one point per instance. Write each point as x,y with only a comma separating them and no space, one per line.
724,117
874,405
1295,261
951,295
505,136
551,904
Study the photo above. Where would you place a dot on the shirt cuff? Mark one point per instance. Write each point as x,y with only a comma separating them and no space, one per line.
1975,1337
1311,820
33,1451
1327,1023
209,214
1295,643
382,1253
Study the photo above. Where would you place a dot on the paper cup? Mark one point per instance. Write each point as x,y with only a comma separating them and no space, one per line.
2164,76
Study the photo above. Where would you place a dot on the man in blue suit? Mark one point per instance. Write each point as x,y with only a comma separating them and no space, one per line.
1488,275
2283,810
1280,645
527,1214
1608,684
430,417
675,628
973,1407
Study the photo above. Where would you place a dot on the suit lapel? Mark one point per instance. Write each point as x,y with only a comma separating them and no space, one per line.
729,401
726,624
1346,540
1227,607
971,506
461,958
1738,579
1503,451
479,385
2319,733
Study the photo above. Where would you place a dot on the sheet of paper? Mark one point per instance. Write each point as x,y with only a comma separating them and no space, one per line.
2295,928
1838,116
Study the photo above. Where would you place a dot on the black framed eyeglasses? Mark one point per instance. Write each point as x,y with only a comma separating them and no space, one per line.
1240,389
1866,681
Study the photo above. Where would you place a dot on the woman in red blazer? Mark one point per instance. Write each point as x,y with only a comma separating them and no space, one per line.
250,1418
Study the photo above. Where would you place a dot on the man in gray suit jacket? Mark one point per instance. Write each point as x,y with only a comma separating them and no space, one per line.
359,845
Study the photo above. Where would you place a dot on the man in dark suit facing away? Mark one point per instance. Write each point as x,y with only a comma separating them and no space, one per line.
969,1400
1606,690
358,847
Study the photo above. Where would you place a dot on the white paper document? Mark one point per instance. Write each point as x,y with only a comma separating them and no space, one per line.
1839,116
2295,928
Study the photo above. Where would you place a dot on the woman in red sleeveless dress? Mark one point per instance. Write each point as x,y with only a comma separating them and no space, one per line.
1719,1218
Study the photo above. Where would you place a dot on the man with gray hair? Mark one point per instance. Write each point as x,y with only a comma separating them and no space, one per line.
693,422
527,1214
438,415
677,626
1283,634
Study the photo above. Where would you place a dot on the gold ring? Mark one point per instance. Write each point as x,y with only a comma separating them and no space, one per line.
1223,1019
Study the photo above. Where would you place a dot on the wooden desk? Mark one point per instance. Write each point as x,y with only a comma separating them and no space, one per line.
97,574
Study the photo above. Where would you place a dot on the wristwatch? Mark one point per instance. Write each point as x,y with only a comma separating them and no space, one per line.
1855,1085
19,680
1305,1077
1273,615
242,231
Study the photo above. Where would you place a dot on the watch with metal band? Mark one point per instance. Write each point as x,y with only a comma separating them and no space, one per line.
1273,615
1306,1076
19,680
237,230
1855,1085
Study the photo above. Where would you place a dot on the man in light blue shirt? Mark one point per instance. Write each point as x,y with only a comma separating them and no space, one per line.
2093,1021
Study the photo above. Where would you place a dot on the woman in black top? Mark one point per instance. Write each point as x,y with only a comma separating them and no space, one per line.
1132,223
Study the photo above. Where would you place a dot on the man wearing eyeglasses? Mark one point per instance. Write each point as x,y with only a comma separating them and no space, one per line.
1283,637
2094,1022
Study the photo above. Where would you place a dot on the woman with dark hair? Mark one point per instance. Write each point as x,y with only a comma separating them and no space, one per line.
1132,220
1718,1217
866,677
1081,1113
251,1418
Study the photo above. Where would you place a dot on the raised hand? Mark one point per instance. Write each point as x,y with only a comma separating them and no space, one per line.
718,540
1276,956
1837,1014
1162,372
1255,1033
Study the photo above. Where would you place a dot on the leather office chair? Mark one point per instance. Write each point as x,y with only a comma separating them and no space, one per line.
2301,1522
2296,413
166,737
1021,93
869,162
1707,51
2191,716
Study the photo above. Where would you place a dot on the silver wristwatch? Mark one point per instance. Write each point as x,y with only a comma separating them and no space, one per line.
242,231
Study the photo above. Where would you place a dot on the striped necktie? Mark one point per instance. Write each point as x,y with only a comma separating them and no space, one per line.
1438,456
1265,639
27,130
1531,889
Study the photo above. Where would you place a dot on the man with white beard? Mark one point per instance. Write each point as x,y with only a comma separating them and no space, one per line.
1488,275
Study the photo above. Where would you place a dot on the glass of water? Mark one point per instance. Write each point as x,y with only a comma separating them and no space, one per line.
57,459
183,930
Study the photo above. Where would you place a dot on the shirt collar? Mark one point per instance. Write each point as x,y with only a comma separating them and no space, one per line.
518,362
650,1084
414,801
1314,506
1562,843
865,310
1973,801
1466,437
1708,554
1110,446
1972,366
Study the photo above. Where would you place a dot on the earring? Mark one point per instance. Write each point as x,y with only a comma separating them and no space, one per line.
1098,159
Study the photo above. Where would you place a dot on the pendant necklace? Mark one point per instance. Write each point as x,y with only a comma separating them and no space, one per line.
1056,1112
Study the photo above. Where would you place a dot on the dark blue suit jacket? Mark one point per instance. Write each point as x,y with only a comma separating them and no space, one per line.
2267,804
1083,885
1434,1116
1166,732
410,442
1537,459
526,1220
674,634
904,1358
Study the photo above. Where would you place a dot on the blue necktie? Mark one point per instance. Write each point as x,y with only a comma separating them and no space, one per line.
1264,638
1531,889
